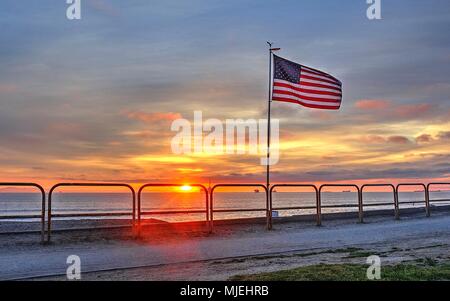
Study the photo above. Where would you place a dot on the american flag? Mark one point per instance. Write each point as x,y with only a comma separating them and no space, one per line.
305,86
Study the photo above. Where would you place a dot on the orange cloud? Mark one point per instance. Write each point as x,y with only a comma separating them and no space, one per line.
398,139
376,139
153,117
412,110
444,135
372,104
7,88
424,138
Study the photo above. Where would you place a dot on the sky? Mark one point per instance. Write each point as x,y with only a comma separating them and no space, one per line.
94,99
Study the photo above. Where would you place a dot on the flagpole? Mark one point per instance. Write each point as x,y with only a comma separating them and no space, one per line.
269,226
268,115
269,101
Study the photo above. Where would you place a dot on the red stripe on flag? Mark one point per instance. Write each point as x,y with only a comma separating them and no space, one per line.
276,84
313,106
306,97
320,79
320,86
318,72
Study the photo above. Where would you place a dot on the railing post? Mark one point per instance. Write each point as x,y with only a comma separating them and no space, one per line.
427,200
397,208
319,208
211,210
49,214
138,214
360,207
268,209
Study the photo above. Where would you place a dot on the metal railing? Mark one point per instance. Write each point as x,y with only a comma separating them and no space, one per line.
141,213
209,210
396,214
359,205
317,207
437,200
41,216
267,209
50,195
427,204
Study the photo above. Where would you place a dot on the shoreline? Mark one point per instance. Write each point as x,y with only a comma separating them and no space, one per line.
73,224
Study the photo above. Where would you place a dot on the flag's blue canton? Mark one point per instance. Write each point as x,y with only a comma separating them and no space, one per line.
286,70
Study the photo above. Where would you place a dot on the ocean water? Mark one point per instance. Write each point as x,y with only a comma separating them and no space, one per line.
79,203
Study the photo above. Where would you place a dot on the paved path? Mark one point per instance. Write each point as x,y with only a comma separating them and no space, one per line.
51,260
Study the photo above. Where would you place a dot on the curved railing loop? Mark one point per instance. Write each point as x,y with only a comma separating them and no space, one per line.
360,208
317,207
397,216
41,189
50,195
267,210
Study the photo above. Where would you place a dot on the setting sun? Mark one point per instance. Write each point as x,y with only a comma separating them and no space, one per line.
186,188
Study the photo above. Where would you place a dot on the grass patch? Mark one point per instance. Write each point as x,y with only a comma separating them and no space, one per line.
355,272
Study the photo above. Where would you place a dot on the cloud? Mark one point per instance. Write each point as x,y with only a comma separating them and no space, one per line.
8,88
444,135
424,138
413,110
153,117
377,139
393,109
103,7
374,139
398,139
372,104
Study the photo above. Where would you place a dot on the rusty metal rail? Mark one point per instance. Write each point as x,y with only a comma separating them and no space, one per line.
41,216
359,206
396,213
426,201
317,207
50,195
267,209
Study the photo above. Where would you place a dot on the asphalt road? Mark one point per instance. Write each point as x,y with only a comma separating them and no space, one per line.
19,262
